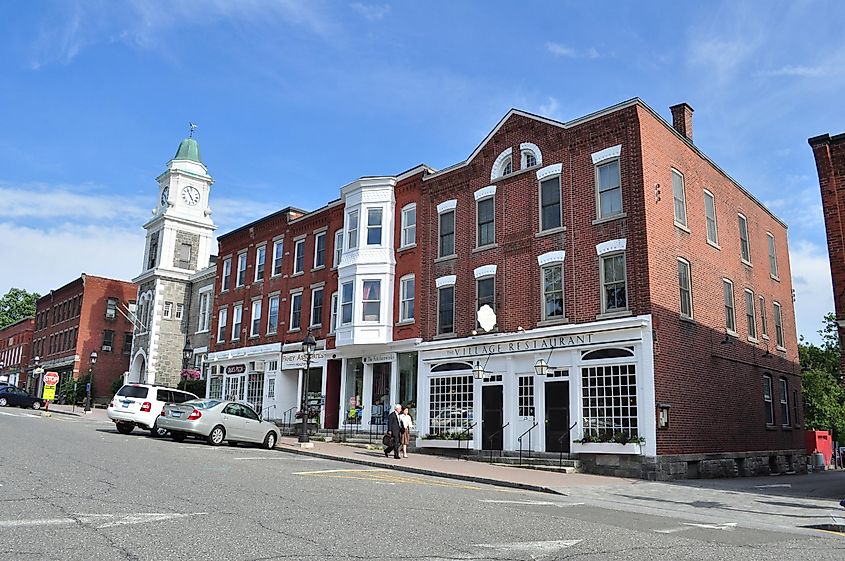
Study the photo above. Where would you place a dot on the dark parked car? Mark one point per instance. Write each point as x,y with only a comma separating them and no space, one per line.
10,395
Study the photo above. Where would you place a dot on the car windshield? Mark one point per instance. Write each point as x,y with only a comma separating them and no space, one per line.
132,391
203,403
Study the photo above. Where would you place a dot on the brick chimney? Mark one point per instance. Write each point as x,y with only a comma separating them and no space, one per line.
682,119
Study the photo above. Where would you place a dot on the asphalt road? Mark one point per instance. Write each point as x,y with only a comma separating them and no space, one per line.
75,489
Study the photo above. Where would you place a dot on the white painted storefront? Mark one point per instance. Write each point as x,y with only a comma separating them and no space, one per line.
600,379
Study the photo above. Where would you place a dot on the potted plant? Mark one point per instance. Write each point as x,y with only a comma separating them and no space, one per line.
446,439
609,442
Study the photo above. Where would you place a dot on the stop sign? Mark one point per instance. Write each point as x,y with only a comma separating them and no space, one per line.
51,378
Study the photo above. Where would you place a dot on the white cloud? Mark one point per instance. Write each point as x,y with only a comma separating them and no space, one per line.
372,12
812,284
68,202
562,51
550,108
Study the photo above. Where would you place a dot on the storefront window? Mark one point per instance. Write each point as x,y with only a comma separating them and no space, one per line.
381,394
450,404
609,401
408,382
353,406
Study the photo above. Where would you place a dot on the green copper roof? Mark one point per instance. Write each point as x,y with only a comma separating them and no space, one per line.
188,150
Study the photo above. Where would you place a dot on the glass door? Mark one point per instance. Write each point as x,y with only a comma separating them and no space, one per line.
381,394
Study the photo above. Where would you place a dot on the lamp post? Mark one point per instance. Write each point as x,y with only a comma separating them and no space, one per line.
187,355
309,345
37,371
2,366
90,389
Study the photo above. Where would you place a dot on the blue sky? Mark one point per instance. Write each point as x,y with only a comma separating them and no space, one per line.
295,99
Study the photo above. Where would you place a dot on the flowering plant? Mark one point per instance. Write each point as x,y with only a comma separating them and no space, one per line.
190,374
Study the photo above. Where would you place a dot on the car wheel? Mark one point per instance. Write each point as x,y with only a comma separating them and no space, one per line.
3,402
216,436
157,432
270,440
177,436
125,428
36,405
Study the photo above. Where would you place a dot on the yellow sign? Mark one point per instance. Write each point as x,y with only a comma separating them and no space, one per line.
49,393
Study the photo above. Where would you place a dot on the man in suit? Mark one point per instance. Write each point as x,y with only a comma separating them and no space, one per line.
395,428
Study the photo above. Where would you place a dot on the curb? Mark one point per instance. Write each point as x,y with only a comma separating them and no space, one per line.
423,471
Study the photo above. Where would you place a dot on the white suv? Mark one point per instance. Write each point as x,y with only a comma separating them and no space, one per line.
139,405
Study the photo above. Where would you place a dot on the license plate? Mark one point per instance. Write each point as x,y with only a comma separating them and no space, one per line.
175,413
125,404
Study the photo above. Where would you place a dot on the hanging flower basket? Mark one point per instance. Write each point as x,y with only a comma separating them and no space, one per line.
189,374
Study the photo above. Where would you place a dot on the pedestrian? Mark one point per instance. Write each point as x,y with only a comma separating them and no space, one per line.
394,431
407,424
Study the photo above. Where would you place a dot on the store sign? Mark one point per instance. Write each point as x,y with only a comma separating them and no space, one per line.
236,369
384,357
544,344
293,361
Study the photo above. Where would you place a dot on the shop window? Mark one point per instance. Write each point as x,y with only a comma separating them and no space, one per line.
215,387
353,405
450,404
451,367
408,382
609,400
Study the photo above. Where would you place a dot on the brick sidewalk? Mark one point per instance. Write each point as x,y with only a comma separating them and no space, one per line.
453,468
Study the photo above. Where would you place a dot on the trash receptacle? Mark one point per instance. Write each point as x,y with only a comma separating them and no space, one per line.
818,461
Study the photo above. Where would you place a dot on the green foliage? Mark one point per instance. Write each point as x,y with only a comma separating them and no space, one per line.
116,384
73,391
196,387
456,435
821,380
16,305
607,436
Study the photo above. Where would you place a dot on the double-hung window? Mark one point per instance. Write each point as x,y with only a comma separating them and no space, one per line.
680,198
347,291
486,226
685,285
550,209
446,310
744,246
241,270
778,325
204,311
319,250
237,318
255,319
299,256
317,307
730,313
764,320
447,233
406,298
338,247
227,274
768,401
260,255
553,291
278,253
609,186
784,402
295,311
374,219
222,323
485,292
371,300
273,315
750,314
352,230
333,324
710,217
773,259
614,284
409,225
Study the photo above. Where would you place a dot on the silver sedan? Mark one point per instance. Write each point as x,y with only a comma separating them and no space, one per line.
217,421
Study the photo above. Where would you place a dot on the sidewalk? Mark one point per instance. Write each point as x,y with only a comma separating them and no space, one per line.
453,468
78,411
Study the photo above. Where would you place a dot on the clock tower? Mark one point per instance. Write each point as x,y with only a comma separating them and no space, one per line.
179,244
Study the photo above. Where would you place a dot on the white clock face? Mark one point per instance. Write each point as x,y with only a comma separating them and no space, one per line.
165,193
190,195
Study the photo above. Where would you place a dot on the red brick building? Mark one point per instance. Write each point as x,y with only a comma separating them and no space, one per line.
640,294
15,351
829,153
89,314
295,270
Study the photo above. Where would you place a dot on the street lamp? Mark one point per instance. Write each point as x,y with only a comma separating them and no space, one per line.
541,367
90,388
309,345
37,371
187,353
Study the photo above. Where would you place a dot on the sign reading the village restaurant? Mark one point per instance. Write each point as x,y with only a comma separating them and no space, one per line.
236,369
543,344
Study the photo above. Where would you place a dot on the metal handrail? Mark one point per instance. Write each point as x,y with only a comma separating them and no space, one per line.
528,432
560,442
263,409
285,416
466,431
492,436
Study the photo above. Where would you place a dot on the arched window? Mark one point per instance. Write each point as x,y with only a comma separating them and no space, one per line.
451,367
507,167
530,155
607,353
503,164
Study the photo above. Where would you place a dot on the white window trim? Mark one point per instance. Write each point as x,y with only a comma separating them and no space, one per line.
548,264
381,226
691,314
296,245
764,318
779,345
443,208
544,174
351,303
337,257
437,311
322,306
549,171
404,225
278,309
747,291
167,312
236,336
277,243
551,258
499,164
364,302
350,238
446,280
293,296
605,155
253,330
179,312
226,278
682,225
478,201
729,331
402,282
485,192
772,252
747,239
333,317
611,246
257,249
534,149
602,257
316,247
621,213
222,313
484,271
714,243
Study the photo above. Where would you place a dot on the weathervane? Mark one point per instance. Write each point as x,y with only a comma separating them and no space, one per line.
192,127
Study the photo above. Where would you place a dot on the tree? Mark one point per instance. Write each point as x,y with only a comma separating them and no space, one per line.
821,380
16,305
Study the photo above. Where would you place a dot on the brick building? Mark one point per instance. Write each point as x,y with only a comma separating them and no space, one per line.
347,273
86,315
16,351
639,294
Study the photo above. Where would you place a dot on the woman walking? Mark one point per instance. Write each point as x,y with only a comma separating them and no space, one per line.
407,424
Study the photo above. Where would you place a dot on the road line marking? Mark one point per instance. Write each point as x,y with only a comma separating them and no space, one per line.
92,519
533,503
264,458
537,550
775,486
337,471
43,522
8,414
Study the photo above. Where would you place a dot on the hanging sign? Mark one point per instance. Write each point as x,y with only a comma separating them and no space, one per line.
294,361
236,369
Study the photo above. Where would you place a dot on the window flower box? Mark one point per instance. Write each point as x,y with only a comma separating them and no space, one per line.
632,448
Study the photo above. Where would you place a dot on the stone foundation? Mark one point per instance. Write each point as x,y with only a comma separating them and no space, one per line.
696,466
